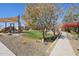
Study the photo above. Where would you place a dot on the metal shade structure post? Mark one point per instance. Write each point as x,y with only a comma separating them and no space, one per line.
12,27
5,26
19,24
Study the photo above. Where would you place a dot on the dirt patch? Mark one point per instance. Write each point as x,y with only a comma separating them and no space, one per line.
74,41
21,46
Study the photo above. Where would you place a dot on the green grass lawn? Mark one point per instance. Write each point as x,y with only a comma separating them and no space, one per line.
74,33
34,34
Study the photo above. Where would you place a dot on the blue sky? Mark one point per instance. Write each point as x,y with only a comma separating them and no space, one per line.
11,10
65,7
15,9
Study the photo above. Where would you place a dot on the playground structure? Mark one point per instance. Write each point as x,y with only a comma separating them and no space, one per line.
11,28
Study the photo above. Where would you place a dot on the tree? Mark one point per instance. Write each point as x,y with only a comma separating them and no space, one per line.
72,13
42,17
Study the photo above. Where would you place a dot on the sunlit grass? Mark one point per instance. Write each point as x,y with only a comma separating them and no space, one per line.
35,34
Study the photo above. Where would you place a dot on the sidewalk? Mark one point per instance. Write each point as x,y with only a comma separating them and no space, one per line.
4,51
62,48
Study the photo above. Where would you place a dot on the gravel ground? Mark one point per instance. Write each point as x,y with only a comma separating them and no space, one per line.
21,46
74,40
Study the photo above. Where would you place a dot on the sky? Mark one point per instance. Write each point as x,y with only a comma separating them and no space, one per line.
15,9
65,7
11,10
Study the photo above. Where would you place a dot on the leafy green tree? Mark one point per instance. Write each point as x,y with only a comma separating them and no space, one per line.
42,16
72,14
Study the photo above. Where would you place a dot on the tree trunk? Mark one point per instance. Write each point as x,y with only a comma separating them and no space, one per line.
54,35
43,33
54,32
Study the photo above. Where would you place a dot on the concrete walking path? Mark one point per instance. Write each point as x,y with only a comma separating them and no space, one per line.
62,47
4,51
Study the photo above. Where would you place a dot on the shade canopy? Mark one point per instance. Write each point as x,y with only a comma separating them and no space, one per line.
12,19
